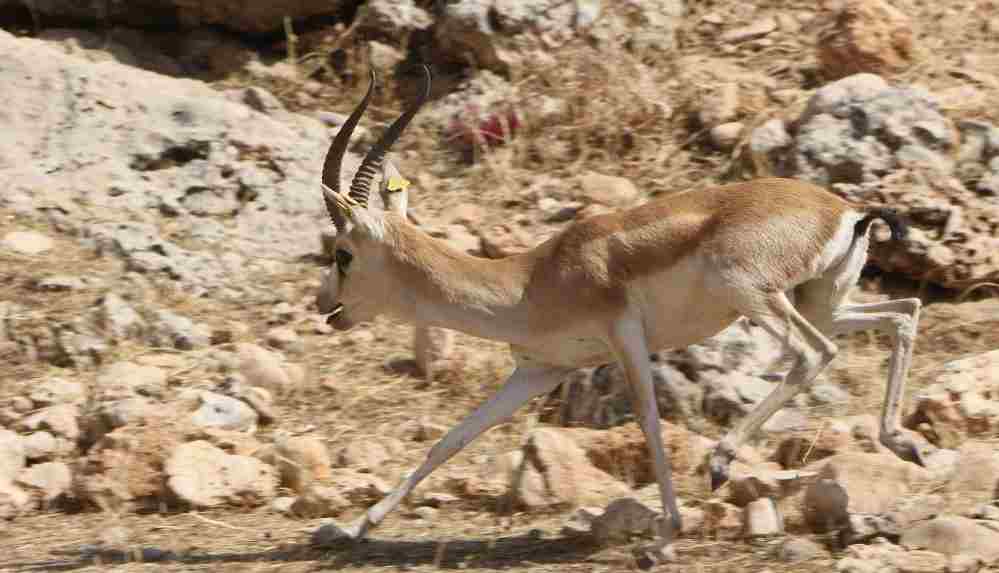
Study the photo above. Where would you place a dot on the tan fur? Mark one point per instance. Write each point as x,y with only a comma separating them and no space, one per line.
619,286
769,230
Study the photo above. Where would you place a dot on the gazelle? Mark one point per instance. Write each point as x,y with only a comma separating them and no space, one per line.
617,286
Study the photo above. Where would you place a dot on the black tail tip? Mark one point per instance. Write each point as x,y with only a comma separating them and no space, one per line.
896,223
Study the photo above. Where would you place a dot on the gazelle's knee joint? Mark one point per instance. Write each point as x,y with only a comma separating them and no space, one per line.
811,361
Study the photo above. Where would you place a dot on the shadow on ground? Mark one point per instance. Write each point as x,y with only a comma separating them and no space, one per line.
499,553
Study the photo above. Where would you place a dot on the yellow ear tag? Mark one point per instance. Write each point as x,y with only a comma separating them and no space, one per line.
396,183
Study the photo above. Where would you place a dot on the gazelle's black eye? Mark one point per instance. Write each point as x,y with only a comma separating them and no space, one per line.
343,259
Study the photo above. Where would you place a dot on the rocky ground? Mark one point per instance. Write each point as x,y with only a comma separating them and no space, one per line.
170,396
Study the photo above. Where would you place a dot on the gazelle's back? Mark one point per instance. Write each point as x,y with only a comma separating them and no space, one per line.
772,229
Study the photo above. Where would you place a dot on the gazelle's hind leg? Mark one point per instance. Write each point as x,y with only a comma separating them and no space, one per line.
899,319
823,302
812,352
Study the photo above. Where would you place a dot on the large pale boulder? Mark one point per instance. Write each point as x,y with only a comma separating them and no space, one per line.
202,475
257,17
866,36
852,484
557,472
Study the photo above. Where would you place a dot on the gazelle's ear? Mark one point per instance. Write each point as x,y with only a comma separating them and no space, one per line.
394,189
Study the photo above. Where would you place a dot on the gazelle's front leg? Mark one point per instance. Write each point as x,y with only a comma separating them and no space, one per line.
812,351
526,382
627,341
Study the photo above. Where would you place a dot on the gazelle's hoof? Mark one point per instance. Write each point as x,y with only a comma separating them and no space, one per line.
648,556
332,534
905,448
719,477
910,452
718,467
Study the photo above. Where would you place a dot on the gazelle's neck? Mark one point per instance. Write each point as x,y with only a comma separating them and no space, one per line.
441,286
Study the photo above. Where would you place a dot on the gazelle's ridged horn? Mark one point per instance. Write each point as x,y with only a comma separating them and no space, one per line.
334,158
360,187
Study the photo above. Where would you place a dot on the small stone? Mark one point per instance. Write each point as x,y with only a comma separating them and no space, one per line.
942,463
857,483
203,475
27,242
466,214
964,564
460,238
722,518
21,405
557,471
953,535
116,536
318,501
359,488
713,18
756,29
58,391
861,528
118,318
283,504
786,420
425,512
364,455
14,500
726,135
720,106
359,337
61,420
751,484
301,460
286,339
787,23
223,412
119,413
42,446
383,56
921,562
500,241
609,190
798,549
866,36
762,518
60,283
261,401
262,368
440,499
128,379
176,331
770,137
581,521
622,519
823,394
986,511
12,455
975,476
51,480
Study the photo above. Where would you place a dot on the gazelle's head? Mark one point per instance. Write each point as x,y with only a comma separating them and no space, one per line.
354,287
